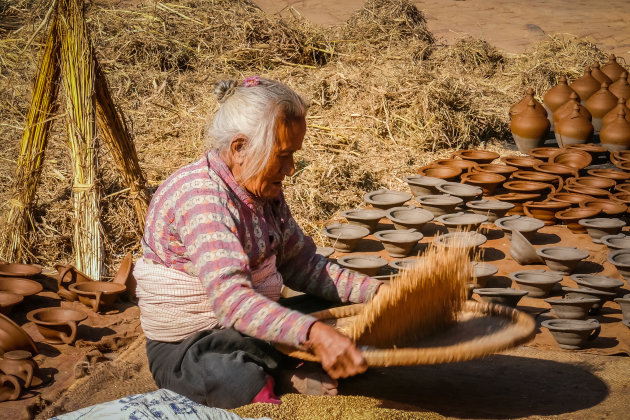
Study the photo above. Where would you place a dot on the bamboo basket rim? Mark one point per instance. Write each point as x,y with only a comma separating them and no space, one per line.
521,329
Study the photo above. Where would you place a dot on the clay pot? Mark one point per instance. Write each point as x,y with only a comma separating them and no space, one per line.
571,308
607,284
482,272
529,128
123,275
602,226
521,106
623,187
57,325
10,388
68,274
568,197
624,304
528,226
556,169
571,217
344,237
409,217
575,159
612,114
477,156
621,87
422,185
547,178
586,85
590,191
594,182
618,176
595,151
616,135
528,187
8,300
399,243
405,264
20,363
447,173
612,69
544,210
462,221
364,264
463,191
624,165
19,270
543,153
98,294
607,207
20,286
324,251
523,163
567,109
495,168
599,104
556,96
621,260
517,199
598,75
562,259
385,199
470,240
572,334
464,165
522,251
486,180
537,283
367,218
492,209
439,204
618,241
502,296
575,128
587,292
13,337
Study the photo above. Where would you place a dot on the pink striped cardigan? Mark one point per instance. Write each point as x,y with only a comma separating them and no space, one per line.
202,222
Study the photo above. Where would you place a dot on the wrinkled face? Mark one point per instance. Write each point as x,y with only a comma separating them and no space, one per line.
289,137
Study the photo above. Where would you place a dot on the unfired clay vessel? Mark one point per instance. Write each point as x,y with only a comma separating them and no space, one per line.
605,283
8,300
20,286
618,241
363,263
586,85
385,199
324,251
592,192
598,75
537,283
502,296
595,151
10,388
609,208
572,334
495,168
462,221
97,294
493,209
588,292
447,173
556,96
522,251
521,105
556,169
624,304
576,159
528,187
620,88
470,240
399,243
439,204
562,259
523,163
543,153
612,114
422,185
602,226
486,180
482,272
529,128
617,175
528,226
68,274
567,109
477,156
20,363
13,337
571,308
19,270
568,197
544,210
572,216
594,181
344,237
599,104
616,135
547,178
57,325
367,218
621,260
463,191
409,217
612,69
517,199
464,165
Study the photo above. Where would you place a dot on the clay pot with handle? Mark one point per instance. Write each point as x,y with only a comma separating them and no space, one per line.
20,363
57,325
69,274
529,128
10,388
616,135
98,294
586,85
599,104
612,69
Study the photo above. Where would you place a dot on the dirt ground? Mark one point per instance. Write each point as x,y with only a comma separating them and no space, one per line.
510,25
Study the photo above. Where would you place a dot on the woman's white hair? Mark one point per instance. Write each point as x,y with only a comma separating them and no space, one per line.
252,110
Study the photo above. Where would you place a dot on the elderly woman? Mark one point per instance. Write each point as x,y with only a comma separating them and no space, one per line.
219,243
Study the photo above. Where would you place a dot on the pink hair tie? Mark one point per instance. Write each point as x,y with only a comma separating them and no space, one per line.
251,81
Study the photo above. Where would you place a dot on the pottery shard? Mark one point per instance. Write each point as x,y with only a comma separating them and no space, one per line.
530,123
567,108
612,69
522,104
598,75
586,85
621,88
558,95
612,114
601,102
575,126
616,135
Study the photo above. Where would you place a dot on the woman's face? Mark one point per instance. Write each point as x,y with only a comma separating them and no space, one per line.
289,136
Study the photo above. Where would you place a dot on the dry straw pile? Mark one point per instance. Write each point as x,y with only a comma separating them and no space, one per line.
383,93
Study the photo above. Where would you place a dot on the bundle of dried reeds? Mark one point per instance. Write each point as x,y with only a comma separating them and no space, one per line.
32,149
78,78
421,301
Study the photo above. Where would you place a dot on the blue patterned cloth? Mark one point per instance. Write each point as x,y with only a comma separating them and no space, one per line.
160,404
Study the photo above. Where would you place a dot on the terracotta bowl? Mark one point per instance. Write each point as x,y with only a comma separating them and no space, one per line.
595,151
20,286
19,270
544,210
594,181
8,300
568,197
464,165
620,155
623,197
618,176
543,153
517,199
524,163
447,173
592,191
576,159
57,325
486,180
478,156
98,294
607,207
527,187
556,180
495,168
556,169
571,217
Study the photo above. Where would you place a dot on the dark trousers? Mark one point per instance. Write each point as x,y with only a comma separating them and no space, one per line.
220,368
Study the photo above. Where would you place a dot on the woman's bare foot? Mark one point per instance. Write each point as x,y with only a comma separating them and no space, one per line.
309,379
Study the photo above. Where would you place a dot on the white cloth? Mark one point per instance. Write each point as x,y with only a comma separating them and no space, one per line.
174,305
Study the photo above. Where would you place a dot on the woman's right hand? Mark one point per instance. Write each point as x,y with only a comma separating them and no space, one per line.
340,357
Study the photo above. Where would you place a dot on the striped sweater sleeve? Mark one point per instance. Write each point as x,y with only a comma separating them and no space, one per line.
208,231
304,270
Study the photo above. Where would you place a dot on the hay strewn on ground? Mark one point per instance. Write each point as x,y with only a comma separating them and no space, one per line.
383,93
